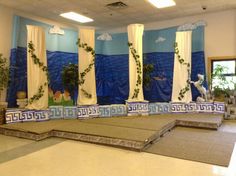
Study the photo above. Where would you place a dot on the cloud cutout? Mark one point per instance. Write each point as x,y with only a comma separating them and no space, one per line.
187,27
160,39
200,23
105,37
56,30
191,26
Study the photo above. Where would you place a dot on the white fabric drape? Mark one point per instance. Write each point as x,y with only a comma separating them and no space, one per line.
85,58
135,36
184,42
36,77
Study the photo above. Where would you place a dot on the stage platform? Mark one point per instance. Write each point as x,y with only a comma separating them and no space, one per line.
153,122
134,132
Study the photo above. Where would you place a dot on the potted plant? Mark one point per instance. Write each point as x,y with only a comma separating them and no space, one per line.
4,75
70,79
4,78
147,70
218,84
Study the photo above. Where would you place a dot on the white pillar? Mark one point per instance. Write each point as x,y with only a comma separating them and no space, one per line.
35,75
180,75
85,58
135,36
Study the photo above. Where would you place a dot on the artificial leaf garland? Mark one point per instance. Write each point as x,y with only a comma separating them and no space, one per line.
44,68
188,81
138,69
4,72
82,75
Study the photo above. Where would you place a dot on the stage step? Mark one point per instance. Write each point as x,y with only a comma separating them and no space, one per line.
129,132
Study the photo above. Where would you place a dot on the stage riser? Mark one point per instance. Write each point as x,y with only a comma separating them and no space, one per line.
101,140
92,111
167,128
23,131
197,124
25,135
75,136
130,144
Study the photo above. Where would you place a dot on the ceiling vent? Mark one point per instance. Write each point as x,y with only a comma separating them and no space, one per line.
116,5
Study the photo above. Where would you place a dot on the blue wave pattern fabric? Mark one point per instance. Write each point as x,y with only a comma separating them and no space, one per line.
160,89
112,78
18,78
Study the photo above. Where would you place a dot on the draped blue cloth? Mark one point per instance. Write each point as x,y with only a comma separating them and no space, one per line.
112,79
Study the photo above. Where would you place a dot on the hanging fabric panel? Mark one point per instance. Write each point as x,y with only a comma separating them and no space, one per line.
36,76
135,36
180,76
85,58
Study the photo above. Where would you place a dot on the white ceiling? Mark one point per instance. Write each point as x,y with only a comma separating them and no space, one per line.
138,11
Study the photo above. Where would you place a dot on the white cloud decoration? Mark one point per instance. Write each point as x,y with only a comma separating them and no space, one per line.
105,36
160,39
191,26
187,27
56,30
200,23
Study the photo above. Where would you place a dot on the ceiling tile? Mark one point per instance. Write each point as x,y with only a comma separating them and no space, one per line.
137,11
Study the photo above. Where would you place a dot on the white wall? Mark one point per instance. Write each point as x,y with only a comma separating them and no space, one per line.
6,17
220,34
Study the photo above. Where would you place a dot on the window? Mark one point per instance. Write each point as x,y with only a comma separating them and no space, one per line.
229,71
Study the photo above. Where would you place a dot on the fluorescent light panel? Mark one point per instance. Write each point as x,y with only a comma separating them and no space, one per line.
162,3
76,17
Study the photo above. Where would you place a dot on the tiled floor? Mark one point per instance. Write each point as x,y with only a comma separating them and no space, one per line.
58,157
228,126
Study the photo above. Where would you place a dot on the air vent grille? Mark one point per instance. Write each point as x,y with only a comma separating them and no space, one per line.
116,5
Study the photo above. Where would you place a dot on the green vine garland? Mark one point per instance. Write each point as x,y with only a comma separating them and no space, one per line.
138,68
184,90
82,75
4,72
44,68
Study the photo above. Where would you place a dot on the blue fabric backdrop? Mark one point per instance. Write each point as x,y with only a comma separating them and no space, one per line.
111,65
112,78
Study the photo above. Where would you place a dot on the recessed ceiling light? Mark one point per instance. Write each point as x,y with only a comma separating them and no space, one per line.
162,3
76,17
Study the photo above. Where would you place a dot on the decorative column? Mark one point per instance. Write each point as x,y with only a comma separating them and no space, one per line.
181,90
87,98
135,102
135,37
36,68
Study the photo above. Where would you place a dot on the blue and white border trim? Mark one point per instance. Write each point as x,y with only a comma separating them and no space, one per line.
130,109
